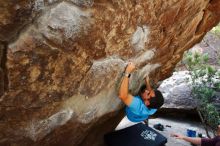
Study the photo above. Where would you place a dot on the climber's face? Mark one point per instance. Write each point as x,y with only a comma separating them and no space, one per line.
147,95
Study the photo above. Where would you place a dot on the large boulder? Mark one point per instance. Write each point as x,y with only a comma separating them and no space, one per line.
65,60
177,92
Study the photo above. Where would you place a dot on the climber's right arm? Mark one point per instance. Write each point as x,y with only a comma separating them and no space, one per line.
123,91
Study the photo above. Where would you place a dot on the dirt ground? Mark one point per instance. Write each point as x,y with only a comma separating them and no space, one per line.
177,126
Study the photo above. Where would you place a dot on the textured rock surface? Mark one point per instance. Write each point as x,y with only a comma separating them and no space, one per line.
65,60
1,70
177,91
13,17
210,45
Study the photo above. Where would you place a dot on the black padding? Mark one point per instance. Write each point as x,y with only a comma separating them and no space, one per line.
136,135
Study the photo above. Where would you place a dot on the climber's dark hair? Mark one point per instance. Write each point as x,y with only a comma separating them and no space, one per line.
157,101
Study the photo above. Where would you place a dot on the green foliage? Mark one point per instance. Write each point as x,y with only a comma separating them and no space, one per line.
216,30
211,114
204,84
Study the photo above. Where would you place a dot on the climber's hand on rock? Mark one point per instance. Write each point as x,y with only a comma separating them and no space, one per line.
130,67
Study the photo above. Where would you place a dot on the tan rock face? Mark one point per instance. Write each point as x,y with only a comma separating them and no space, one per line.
64,67
13,17
1,70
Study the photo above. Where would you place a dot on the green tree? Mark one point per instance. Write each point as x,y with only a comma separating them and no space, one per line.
216,30
205,83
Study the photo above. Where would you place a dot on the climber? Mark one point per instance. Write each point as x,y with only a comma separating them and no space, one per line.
200,141
141,106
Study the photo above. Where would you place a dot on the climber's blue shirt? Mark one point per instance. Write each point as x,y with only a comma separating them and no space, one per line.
137,111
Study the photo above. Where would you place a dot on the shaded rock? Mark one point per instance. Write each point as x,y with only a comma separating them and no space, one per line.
1,70
13,17
2,82
210,44
64,68
1,52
